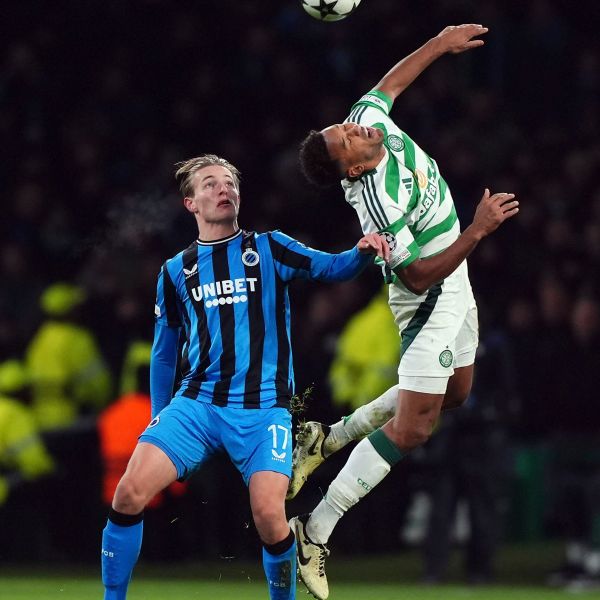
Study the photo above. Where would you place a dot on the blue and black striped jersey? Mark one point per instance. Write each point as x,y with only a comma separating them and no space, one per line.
230,297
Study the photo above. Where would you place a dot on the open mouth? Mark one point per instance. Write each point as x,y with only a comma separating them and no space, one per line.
224,203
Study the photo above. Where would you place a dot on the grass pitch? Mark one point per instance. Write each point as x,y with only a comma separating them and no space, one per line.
521,573
51,588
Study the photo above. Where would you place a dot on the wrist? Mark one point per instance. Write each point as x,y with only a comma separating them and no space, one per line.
437,46
474,233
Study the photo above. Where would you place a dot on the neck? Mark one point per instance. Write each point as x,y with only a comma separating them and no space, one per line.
208,232
376,159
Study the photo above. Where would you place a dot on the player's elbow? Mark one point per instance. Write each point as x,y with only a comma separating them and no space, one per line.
413,283
414,278
417,288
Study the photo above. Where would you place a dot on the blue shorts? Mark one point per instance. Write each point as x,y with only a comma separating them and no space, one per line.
189,432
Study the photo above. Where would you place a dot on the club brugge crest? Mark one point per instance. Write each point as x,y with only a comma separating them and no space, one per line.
395,143
250,257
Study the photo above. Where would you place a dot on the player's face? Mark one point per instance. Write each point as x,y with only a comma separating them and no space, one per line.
353,145
216,197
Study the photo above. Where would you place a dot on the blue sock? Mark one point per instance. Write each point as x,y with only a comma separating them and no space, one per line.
279,562
121,543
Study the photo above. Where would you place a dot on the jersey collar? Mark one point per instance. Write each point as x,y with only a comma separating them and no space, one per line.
220,241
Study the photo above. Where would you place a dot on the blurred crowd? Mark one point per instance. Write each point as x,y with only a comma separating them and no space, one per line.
98,100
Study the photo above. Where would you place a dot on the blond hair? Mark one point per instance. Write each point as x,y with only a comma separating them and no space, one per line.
188,168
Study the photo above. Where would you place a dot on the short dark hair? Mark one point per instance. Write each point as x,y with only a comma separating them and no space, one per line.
316,164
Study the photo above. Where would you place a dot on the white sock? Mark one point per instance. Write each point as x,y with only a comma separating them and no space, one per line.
364,469
363,421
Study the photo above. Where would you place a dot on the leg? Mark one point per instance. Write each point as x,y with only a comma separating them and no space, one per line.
260,447
373,458
315,442
459,387
267,500
148,472
367,465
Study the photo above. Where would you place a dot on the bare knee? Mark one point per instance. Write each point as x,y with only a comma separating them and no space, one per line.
413,423
459,388
270,522
129,498
409,435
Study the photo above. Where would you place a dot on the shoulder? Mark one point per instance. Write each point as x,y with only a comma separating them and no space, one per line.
277,234
173,266
374,102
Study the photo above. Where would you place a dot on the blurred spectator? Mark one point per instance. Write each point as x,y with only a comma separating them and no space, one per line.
68,373
367,352
24,460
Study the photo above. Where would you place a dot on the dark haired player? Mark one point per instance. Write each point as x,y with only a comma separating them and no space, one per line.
397,191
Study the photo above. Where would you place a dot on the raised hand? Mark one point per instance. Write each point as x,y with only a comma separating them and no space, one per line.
492,211
459,38
373,243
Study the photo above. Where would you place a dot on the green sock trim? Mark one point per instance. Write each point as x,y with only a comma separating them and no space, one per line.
385,447
346,419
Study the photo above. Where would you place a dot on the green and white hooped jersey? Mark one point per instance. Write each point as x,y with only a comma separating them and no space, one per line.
405,196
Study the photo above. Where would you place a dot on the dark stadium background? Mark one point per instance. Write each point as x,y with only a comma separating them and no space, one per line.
98,100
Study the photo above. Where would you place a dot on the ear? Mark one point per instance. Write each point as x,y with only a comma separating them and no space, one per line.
356,171
189,204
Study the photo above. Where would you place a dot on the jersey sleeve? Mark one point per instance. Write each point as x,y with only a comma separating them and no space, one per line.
374,99
294,260
403,247
163,365
166,309
382,209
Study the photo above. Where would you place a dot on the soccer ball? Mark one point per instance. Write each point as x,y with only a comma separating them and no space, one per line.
330,10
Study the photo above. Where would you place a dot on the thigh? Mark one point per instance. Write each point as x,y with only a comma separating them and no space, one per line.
268,489
187,432
459,387
413,406
415,417
267,499
258,440
149,470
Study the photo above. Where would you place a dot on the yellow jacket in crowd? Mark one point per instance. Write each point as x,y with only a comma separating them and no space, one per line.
367,354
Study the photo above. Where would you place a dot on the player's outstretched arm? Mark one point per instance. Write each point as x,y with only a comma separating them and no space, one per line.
453,39
491,212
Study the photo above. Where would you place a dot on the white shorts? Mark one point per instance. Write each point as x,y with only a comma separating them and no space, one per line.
439,331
